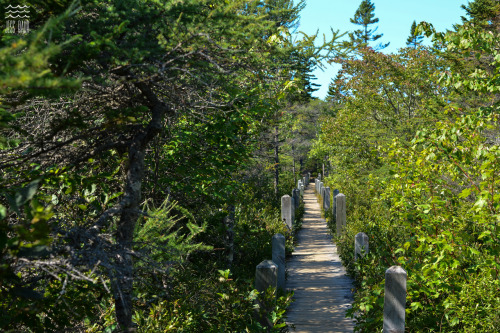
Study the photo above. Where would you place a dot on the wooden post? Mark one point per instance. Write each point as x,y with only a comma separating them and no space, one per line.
286,210
266,275
340,218
279,258
395,300
360,244
334,210
296,198
326,199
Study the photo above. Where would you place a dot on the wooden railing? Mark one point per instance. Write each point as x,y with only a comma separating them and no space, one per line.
271,273
395,276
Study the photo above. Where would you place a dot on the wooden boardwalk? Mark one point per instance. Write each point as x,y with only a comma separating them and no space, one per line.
315,273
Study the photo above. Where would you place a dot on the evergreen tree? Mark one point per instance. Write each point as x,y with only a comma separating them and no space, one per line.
415,38
365,16
284,13
483,12
481,9
140,89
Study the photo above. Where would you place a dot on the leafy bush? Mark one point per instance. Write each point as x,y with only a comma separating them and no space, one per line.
432,204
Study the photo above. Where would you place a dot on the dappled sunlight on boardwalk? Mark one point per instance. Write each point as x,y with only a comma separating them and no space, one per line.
315,273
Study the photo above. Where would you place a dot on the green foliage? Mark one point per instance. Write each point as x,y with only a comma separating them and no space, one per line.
253,236
109,108
365,17
24,61
415,38
172,241
213,304
427,197
481,11
378,98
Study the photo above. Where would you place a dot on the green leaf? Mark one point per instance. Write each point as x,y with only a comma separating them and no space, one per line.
454,321
416,305
3,212
54,199
473,251
484,234
22,196
465,193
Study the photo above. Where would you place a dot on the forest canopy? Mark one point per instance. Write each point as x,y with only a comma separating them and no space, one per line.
145,146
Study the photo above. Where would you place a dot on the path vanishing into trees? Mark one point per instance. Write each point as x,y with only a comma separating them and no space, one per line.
315,272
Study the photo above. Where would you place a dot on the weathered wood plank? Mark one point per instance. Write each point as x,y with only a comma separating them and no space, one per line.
322,288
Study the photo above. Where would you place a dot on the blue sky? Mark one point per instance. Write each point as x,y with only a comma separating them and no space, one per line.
395,18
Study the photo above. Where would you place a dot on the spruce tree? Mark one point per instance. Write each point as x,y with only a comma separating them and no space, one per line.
415,38
486,13
365,17
188,75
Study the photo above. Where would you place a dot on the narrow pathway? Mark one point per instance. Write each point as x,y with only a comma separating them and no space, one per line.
315,273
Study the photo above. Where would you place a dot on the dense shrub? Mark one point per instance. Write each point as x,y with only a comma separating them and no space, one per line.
430,201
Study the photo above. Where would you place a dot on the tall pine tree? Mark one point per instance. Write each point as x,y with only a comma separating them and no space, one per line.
415,38
483,12
365,17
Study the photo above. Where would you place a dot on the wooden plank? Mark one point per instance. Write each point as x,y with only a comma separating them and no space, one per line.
322,288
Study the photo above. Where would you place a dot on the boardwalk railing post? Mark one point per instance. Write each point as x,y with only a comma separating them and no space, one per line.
266,275
326,199
340,217
286,210
321,189
279,258
296,198
395,300
334,210
361,245
302,190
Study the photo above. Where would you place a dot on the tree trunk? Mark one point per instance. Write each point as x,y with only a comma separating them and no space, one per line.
276,160
229,222
123,279
293,158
